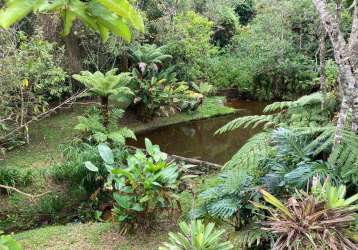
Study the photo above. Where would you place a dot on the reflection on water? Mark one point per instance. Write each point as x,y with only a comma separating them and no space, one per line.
197,140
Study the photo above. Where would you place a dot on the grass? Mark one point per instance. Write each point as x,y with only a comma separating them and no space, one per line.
47,134
90,236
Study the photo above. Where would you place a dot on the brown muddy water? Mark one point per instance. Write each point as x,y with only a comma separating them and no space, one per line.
197,139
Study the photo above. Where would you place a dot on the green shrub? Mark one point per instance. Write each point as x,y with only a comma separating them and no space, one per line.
31,77
73,170
197,236
189,44
16,176
142,189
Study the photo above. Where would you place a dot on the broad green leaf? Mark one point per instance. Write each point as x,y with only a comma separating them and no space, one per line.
119,171
80,9
106,153
68,19
123,201
14,11
91,167
112,22
124,9
103,32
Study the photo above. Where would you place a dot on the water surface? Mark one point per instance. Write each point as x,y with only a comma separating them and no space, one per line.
197,140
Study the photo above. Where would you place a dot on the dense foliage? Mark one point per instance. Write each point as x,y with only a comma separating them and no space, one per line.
293,185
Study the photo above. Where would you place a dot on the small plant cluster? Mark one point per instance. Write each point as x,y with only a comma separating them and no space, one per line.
157,90
197,236
142,187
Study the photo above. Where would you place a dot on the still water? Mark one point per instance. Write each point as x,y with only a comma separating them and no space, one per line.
197,139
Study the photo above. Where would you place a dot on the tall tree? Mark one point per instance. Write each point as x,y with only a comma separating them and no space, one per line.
345,54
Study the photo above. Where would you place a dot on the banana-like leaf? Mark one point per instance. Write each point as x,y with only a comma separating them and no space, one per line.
112,22
103,32
15,10
124,9
80,9
68,19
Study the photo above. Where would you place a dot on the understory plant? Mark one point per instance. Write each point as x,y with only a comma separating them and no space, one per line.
305,222
104,86
228,201
144,187
157,90
7,242
197,236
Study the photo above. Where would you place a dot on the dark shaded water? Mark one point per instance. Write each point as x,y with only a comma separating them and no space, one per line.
197,140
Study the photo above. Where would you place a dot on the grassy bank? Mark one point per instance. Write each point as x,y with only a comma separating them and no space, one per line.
92,236
49,133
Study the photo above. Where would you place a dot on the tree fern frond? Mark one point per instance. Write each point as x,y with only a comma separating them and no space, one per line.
277,106
252,152
246,121
224,208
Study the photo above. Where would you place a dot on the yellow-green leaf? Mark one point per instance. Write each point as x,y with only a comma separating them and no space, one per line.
68,19
15,11
124,9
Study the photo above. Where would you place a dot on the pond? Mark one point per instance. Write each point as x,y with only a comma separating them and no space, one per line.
197,139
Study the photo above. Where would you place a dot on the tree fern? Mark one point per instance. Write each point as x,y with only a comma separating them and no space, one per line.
252,152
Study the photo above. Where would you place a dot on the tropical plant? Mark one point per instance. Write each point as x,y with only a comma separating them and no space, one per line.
306,223
73,171
197,236
103,16
142,189
105,85
333,196
204,88
93,131
148,58
228,201
7,242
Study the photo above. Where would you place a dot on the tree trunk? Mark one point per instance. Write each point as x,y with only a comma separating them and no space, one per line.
341,121
353,49
105,110
343,56
322,64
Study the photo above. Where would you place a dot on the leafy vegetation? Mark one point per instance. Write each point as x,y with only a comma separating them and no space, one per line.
292,185
197,236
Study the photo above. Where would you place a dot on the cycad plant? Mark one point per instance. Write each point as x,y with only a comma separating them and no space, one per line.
197,236
105,85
